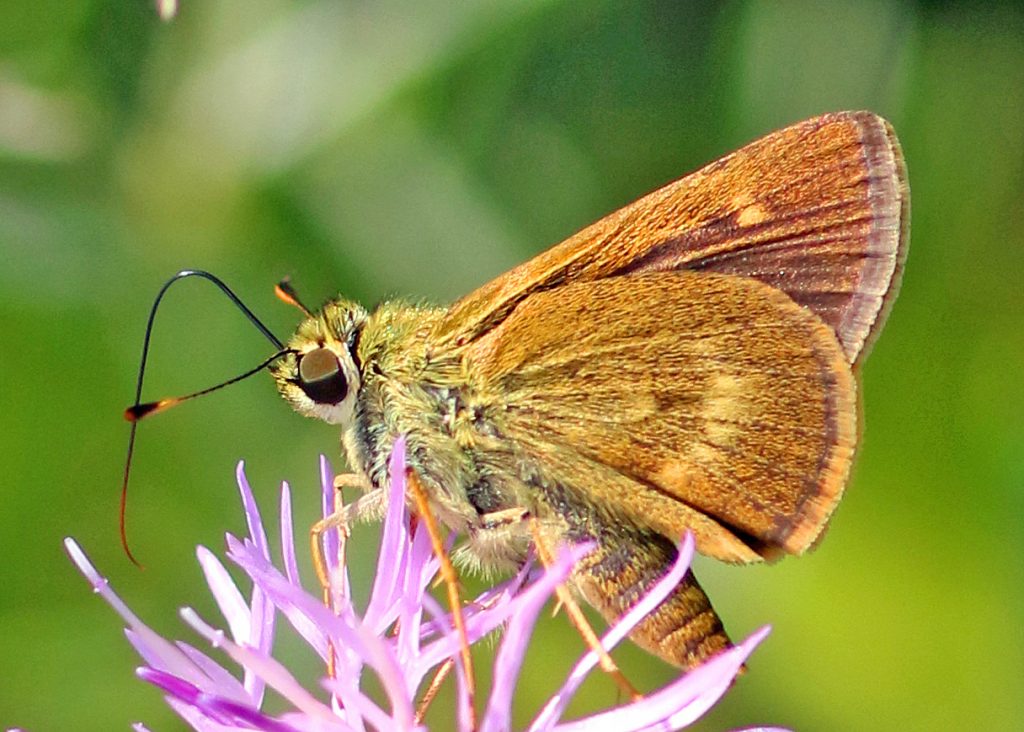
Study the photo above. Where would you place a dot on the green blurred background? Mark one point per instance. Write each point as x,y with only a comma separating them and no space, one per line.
421,148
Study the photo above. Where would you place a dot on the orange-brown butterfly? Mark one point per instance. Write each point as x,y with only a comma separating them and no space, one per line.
686,363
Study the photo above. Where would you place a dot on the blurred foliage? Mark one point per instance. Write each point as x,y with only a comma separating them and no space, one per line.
421,148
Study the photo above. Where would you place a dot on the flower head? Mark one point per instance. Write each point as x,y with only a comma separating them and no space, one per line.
401,636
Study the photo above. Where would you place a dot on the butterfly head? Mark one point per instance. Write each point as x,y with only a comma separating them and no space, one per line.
320,374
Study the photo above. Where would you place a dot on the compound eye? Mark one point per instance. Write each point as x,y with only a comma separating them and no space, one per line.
321,378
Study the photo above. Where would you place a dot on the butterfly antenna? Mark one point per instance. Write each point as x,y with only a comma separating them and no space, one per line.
138,410
286,292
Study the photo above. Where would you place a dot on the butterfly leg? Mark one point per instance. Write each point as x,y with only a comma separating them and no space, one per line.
451,580
435,686
340,518
684,630
576,616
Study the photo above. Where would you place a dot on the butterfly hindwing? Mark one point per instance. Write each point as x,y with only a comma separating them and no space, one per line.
691,396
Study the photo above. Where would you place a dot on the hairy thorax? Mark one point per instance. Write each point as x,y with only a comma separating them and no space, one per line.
452,437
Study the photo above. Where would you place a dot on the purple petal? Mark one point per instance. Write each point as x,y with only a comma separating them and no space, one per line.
555,707
526,607
350,703
263,575
252,512
394,546
261,637
182,692
363,708
270,670
488,612
410,615
421,566
220,679
195,718
260,614
291,565
678,704
217,708
157,652
329,538
248,716
230,601
348,632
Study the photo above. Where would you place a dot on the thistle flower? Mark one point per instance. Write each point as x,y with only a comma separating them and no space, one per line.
401,636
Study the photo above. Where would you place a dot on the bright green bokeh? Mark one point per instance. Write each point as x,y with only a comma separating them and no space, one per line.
421,148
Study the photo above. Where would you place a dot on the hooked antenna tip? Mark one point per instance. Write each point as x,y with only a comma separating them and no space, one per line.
131,557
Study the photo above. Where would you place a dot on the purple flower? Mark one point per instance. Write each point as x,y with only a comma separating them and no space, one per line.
401,637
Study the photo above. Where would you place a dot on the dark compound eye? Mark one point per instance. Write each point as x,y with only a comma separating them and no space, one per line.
321,378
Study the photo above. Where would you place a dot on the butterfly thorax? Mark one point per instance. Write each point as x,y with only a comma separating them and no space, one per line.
413,387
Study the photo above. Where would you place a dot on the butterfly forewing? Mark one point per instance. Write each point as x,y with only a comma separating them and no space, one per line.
818,210
682,399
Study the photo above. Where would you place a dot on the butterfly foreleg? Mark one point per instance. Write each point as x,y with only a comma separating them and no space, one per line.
370,505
